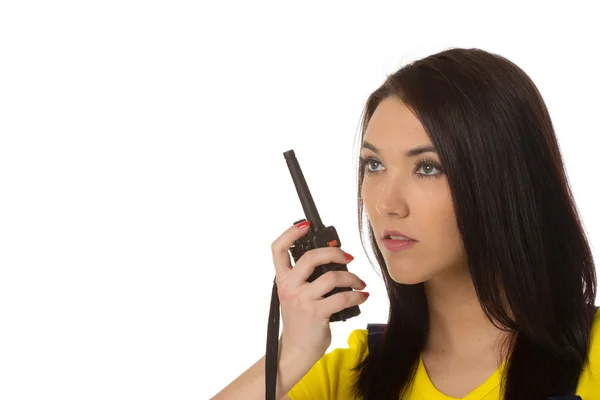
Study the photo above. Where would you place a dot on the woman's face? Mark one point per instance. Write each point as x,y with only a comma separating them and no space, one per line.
409,193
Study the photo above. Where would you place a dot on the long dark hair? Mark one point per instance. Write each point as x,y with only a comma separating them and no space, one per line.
517,217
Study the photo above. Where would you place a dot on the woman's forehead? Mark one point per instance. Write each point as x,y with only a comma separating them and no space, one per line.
393,123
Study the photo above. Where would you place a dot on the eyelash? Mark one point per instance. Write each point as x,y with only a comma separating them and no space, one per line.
364,163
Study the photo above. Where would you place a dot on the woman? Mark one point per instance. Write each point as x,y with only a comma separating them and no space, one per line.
493,295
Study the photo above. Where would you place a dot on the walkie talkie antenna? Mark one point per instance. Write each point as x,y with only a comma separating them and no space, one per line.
308,204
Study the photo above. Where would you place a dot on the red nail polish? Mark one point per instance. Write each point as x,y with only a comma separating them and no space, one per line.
304,224
366,294
348,256
363,282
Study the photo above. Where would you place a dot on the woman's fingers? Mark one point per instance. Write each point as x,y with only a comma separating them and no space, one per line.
312,259
280,250
330,280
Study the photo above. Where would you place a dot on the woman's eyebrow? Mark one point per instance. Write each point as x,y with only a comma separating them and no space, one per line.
410,153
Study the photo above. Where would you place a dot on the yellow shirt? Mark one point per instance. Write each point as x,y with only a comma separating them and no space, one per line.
330,378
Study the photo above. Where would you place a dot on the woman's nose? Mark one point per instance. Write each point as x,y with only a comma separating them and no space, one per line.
392,201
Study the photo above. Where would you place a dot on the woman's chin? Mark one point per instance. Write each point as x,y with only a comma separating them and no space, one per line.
407,277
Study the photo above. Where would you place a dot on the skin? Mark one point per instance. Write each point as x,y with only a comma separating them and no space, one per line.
463,345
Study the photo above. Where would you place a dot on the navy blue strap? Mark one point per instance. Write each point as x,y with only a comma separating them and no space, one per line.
375,332
570,395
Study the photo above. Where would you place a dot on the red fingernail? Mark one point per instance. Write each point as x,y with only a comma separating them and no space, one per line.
348,256
363,282
304,224
366,294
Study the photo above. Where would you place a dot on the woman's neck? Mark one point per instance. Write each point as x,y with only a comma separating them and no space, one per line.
457,323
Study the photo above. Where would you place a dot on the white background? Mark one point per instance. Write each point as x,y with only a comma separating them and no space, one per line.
142,179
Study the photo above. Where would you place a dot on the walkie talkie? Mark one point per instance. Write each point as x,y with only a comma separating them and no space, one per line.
317,236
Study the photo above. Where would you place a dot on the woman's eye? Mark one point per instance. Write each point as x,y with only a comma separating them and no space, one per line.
427,168
372,162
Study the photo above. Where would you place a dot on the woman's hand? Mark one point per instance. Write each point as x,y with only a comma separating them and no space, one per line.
305,313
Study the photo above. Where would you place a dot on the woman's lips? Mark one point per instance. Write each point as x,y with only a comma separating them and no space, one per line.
398,245
392,232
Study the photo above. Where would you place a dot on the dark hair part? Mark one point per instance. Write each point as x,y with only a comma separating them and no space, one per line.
517,218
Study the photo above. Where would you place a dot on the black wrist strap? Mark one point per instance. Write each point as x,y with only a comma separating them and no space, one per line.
272,352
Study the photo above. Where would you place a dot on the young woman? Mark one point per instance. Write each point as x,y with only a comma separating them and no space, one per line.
489,274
